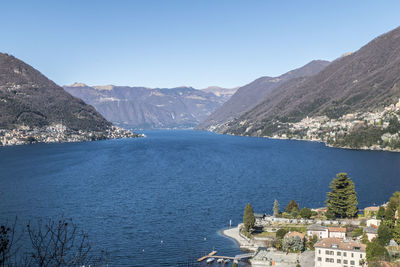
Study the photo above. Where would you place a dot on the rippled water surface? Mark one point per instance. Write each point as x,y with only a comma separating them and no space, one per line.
178,187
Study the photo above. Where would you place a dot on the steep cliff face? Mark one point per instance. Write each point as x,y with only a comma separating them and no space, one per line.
139,107
250,95
28,98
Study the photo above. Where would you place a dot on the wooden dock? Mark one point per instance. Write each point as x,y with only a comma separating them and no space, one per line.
237,257
207,256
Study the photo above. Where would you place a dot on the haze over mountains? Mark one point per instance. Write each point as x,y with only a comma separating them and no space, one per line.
366,80
146,108
251,94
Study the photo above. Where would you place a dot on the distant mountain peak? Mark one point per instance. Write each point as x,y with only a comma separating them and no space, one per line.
77,84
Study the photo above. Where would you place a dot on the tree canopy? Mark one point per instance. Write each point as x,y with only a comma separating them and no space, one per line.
292,206
276,208
248,217
342,199
306,213
375,251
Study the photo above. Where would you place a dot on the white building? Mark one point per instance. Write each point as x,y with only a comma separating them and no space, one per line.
335,252
373,222
337,232
318,230
371,232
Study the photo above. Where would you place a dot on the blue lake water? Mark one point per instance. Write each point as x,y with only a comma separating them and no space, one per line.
179,187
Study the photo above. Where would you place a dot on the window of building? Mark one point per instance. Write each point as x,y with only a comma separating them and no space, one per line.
344,254
352,255
345,261
339,253
319,259
319,251
360,256
339,261
352,262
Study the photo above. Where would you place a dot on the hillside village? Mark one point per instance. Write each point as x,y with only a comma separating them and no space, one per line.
56,133
371,130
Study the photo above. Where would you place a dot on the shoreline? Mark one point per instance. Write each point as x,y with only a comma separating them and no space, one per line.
315,141
233,233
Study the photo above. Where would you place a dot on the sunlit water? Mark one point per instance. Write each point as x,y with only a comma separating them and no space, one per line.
162,200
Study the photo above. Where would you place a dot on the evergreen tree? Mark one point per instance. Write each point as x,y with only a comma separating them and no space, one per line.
364,238
276,208
381,213
384,234
396,232
376,251
291,206
305,213
342,199
248,218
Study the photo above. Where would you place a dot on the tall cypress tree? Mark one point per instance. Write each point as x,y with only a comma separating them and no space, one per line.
248,218
342,199
276,208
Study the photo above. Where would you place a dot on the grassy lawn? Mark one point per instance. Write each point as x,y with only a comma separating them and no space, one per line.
265,234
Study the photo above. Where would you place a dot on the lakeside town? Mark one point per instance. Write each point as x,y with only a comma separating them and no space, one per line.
339,235
56,133
378,130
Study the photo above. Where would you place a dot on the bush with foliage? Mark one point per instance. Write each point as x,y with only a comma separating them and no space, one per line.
306,213
384,234
376,251
280,234
291,206
293,244
381,213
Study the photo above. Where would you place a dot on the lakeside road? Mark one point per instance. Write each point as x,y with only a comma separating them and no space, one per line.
234,234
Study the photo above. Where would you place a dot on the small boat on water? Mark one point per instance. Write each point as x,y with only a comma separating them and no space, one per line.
220,260
227,261
210,260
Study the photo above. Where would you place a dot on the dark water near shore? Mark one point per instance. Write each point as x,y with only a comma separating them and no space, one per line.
179,187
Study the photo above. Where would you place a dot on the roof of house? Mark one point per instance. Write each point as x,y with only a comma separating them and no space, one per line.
372,208
290,234
316,227
371,230
338,243
337,229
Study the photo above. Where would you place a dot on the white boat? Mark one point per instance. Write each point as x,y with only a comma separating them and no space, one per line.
220,260
210,260
227,261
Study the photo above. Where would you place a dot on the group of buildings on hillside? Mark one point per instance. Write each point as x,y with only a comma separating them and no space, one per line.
56,133
324,129
336,246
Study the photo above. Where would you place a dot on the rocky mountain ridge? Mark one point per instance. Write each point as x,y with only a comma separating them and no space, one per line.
364,82
248,96
148,108
31,102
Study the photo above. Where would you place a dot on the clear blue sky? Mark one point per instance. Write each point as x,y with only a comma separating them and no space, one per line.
170,43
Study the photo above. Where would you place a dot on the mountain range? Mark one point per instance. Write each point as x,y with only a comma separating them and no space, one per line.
28,98
366,80
248,96
147,108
